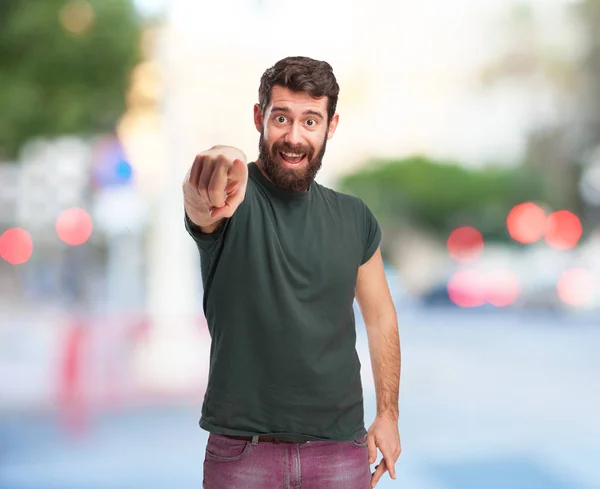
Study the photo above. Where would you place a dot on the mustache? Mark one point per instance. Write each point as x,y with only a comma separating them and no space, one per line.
288,148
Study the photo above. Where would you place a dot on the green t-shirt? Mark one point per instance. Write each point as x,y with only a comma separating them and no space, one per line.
279,282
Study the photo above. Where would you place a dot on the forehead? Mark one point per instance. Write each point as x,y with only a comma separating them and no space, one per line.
296,101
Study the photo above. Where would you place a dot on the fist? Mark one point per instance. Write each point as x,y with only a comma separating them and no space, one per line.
217,183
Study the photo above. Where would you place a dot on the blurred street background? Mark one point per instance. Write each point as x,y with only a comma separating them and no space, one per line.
471,129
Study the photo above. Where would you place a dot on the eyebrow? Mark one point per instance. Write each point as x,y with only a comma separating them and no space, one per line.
306,112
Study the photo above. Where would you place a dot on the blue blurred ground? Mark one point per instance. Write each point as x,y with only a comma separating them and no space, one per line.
488,401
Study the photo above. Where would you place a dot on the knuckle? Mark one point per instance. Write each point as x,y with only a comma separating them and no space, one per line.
215,194
212,165
224,164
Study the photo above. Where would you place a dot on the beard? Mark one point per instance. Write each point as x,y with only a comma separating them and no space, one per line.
290,179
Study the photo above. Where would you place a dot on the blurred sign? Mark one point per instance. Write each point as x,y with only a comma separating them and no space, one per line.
110,167
118,207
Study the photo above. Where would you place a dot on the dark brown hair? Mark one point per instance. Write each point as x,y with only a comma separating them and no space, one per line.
301,74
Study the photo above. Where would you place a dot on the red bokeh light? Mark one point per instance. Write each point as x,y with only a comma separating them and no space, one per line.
74,226
465,244
16,246
563,230
466,288
503,288
576,286
526,223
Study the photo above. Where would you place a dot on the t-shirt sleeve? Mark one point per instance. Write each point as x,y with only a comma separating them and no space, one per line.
205,241
372,234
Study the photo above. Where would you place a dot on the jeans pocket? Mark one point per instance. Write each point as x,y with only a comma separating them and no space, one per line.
222,449
361,442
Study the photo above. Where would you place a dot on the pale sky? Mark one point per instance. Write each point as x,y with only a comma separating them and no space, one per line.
425,54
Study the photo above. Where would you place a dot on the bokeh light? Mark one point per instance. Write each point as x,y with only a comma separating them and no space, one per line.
77,16
123,170
74,226
502,287
465,244
110,164
526,223
16,246
576,286
563,230
466,288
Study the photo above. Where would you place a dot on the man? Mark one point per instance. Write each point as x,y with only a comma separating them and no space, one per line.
282,260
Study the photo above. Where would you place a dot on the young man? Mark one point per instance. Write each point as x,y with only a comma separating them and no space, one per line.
282,260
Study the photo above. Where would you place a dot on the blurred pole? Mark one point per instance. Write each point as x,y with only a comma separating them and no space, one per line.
168,359
71,402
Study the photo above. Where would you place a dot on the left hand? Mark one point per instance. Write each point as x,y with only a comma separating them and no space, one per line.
384,434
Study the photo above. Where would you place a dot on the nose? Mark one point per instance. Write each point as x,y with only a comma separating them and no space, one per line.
294,135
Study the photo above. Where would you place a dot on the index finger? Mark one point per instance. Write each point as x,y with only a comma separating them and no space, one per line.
380,469
237,170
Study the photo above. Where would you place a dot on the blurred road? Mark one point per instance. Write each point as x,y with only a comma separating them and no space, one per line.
488,401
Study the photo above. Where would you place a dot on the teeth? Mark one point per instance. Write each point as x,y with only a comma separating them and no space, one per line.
292,155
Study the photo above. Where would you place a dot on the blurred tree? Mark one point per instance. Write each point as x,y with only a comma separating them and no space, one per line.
588,67
563,61
64,67
437,197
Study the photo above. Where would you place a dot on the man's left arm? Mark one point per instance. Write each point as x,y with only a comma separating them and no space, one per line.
377,308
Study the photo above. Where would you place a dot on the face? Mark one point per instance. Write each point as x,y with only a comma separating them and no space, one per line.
293,136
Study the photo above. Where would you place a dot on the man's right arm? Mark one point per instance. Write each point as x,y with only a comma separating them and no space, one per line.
215,186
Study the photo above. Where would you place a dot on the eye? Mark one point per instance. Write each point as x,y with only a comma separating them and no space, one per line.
311,122
281,119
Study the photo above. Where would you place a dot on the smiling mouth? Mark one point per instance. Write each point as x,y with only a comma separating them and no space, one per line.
292,158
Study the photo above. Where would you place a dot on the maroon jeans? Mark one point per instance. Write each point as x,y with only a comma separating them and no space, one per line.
240,464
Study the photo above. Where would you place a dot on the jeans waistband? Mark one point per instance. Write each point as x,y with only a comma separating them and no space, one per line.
264,439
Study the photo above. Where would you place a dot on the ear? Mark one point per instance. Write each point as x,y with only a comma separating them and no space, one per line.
332,126
258,118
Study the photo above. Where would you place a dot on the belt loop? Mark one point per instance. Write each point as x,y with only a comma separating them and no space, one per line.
255,440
